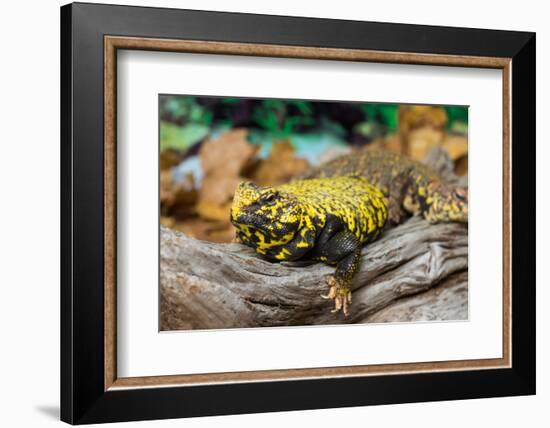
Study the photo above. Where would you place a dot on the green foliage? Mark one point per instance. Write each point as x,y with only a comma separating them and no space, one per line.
230,100
283,117
188,119
380,120
333,128
384,114
457,116
371,129
184,109
181,137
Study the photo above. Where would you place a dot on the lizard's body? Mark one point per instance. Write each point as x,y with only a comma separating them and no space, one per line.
337,208
409,186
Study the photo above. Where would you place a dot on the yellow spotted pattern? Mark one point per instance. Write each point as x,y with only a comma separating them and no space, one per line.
407,184
351,199
283,222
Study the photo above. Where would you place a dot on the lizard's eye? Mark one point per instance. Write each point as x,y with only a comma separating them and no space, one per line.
268,197
460,194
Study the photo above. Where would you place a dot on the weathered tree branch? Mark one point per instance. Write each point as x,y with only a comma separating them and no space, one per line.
207,285
448,301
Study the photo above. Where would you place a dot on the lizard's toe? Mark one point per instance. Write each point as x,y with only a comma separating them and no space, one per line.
341,295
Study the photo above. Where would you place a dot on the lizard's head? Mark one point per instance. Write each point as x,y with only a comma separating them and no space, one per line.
446,203
264,216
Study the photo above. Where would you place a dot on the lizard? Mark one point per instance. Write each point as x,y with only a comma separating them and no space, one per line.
321,215
320,219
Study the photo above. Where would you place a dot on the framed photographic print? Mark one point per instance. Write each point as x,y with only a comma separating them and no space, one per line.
264,213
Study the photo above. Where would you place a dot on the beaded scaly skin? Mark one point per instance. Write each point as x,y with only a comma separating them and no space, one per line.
323,219
410,186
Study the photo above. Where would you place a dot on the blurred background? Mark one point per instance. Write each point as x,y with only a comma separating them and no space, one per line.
209,144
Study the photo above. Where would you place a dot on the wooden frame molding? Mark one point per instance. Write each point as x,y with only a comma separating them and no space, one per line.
113,43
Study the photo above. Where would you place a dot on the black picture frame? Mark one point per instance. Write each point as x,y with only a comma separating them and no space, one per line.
83,396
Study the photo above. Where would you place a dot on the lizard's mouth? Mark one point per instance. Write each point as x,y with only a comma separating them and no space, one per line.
252,221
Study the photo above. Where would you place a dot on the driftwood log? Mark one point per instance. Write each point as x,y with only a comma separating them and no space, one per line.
414,272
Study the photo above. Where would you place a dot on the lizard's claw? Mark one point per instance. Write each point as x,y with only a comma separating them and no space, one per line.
340,294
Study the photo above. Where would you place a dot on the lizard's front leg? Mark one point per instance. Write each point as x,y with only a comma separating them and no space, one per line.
343,249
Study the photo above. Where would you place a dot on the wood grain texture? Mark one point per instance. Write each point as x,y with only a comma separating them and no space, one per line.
109,210
448,301
206,285
304,52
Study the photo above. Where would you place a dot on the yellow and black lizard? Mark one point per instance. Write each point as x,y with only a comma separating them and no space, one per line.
335,209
